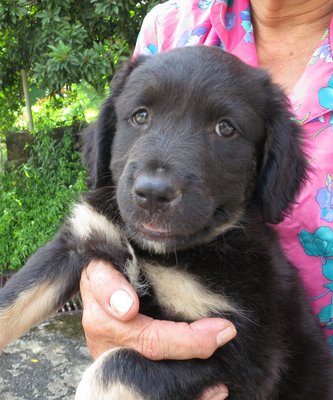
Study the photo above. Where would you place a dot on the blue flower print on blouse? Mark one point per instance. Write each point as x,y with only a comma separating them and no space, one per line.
230,21
323,52
247,25
325,200
204,4
320,244
325,95
150,49
228,3
192,37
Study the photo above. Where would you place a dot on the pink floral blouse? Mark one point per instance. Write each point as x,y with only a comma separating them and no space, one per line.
307,235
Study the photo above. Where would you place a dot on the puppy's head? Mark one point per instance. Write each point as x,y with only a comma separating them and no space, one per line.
191,138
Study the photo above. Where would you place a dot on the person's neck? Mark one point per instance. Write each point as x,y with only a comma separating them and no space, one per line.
286,34
282,15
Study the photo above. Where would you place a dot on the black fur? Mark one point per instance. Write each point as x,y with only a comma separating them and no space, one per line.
182,196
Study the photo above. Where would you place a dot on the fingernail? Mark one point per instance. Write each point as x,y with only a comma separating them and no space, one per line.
216,394
225,335
121,302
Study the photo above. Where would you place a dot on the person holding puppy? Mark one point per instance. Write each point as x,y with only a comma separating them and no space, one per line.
293,40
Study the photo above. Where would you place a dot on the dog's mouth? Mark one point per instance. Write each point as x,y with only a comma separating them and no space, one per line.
154,231
162,238
159,238
158,233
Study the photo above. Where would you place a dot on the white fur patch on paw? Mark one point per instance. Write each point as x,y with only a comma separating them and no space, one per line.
91,386
85,221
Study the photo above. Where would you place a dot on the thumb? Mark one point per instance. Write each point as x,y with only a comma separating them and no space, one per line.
111,290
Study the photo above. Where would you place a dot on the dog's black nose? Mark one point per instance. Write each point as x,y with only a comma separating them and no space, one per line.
154,192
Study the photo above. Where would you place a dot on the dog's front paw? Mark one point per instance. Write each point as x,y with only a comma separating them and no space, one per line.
124,374
106,379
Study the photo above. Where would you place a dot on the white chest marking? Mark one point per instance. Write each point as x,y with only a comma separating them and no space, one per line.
181,294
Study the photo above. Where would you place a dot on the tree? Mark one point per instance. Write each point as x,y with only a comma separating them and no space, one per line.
61,42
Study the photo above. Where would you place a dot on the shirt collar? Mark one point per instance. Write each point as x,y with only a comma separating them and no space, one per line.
232,22
317,80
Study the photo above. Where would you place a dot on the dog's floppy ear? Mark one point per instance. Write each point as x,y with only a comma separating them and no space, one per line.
283,165
98,137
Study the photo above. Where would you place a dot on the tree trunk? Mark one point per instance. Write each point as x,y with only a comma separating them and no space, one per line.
27,98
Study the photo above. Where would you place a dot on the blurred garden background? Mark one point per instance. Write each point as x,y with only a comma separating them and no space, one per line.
57,58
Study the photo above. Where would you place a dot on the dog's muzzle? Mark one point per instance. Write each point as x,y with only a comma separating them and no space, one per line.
156,193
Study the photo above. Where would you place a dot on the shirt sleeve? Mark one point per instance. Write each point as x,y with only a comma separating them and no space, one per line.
147,41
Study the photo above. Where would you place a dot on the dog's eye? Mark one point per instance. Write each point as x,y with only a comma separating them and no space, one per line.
140,117
224,128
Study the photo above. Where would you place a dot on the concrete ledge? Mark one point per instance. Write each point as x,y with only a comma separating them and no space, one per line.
47,363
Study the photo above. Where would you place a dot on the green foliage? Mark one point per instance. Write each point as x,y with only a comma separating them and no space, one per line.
10,104
80,104
70,50
35,197
62,42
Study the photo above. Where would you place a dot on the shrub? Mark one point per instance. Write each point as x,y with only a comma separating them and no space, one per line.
35,197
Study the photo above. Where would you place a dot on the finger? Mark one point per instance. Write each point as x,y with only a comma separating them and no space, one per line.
159,340
111,290
152,338
219,392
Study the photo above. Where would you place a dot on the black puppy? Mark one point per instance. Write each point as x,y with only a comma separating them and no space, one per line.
191,156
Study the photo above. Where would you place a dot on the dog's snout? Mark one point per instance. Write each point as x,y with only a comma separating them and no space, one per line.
154,192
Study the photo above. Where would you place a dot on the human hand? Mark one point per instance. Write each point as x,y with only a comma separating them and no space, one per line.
111,319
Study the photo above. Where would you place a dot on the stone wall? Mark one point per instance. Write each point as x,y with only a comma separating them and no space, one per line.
17,144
